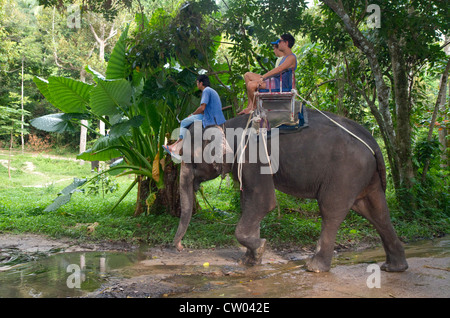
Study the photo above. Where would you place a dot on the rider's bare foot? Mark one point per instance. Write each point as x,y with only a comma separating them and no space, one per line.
245,111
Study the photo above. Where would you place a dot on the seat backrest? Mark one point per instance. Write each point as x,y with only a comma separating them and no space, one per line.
287,78
283,82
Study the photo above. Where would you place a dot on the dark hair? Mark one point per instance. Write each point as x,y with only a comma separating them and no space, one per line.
204,79
289,38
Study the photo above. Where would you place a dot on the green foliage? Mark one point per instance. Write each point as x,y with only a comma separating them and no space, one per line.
298,224
108,9
139,103
65,195
68,95
11,118
102,184
59,123
109,100
149,81
427,150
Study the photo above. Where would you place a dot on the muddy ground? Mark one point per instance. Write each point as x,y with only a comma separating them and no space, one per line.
198,273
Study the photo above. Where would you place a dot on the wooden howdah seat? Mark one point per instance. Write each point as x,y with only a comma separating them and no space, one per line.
276,106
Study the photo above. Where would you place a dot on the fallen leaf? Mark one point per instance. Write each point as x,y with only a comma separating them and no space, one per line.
91,228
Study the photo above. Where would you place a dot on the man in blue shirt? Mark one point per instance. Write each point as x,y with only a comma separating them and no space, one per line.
209,112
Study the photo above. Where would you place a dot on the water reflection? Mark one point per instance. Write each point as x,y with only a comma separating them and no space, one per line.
49,276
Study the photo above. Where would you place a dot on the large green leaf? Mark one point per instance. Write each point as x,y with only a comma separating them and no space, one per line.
95,74
58,122
102,150
110,97
68,95
103,155
65,195
122,128
116,68
42,84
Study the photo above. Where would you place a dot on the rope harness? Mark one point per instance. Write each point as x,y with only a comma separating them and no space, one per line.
334,122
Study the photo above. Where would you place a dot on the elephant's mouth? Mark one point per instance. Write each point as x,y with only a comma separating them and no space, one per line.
196,184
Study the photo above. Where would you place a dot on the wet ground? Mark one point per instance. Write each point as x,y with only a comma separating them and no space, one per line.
33,266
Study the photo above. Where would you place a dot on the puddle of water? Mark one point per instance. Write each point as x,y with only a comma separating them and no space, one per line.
24,275
427,248
291,279
50,276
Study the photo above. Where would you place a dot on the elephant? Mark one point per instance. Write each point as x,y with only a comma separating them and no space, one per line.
322,162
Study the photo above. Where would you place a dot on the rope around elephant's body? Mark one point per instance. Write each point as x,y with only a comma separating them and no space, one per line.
335,122
242,148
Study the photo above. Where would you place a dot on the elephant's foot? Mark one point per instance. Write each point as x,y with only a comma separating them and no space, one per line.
390,267
317,265
254,257
179,247
395,259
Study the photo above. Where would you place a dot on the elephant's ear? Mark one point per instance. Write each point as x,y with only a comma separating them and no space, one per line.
228,155
225,145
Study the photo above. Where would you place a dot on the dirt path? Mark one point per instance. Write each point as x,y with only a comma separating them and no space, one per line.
165,273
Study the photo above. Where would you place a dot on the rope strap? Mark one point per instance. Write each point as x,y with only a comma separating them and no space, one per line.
339,125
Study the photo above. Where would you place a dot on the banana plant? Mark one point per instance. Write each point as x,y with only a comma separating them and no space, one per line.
136,127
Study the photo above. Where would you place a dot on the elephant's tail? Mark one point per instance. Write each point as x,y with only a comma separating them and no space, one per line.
381,167
371,144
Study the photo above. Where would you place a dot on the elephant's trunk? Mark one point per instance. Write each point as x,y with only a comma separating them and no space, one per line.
187,201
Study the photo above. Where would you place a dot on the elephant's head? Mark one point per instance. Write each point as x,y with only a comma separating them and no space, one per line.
203,160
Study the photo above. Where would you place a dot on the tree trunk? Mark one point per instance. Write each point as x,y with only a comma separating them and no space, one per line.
439,102
142,195
84,122
403,127
22,118
398,148
167,198
443,139
10,155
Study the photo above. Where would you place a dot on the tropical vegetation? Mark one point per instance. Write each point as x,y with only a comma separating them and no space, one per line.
121,74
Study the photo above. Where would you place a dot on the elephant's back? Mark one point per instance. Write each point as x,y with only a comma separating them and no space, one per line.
325,151
327,128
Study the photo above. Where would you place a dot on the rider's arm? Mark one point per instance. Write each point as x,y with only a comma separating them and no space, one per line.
288,63
200,109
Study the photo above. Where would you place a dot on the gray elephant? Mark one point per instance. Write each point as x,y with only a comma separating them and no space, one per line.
322,162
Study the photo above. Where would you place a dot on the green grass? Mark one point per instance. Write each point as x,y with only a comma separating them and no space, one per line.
294,221
43,170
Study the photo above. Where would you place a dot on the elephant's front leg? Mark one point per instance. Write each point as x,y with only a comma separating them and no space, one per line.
257,199
255,245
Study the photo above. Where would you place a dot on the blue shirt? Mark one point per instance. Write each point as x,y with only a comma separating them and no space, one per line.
213,111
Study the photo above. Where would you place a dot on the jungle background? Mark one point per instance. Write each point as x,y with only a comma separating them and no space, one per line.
101,80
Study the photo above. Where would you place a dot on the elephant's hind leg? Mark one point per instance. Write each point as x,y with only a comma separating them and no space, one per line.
374,207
